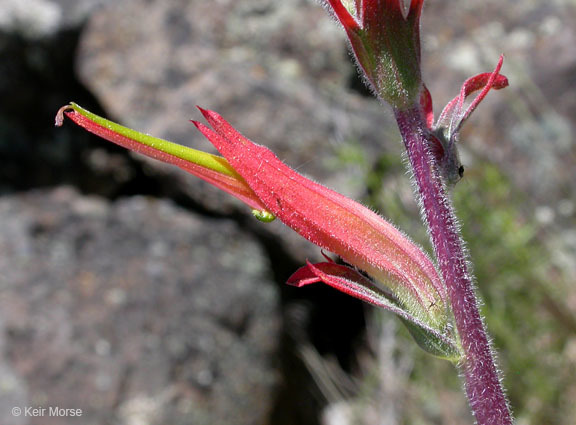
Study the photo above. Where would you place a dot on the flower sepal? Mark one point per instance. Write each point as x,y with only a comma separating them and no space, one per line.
437,342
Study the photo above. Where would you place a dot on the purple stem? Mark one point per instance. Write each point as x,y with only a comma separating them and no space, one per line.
482,383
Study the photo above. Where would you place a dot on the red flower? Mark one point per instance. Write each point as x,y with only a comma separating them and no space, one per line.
402,277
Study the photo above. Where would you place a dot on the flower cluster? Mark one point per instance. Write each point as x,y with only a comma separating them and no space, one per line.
401,279
381,265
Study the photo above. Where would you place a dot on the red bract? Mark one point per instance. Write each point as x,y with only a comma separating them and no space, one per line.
453,115
328,219
358,235
445,132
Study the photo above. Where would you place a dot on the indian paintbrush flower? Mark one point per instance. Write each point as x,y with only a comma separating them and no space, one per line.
402,277
381,265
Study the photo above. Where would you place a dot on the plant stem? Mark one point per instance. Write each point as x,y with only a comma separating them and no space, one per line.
478,367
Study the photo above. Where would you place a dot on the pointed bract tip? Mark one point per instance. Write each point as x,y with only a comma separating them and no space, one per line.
303,276
204,129
208,114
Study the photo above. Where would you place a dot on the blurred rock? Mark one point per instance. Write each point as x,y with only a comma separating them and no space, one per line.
12,387
38,40
36,19
33,19
116,309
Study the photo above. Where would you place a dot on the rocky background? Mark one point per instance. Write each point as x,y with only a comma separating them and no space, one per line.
140,295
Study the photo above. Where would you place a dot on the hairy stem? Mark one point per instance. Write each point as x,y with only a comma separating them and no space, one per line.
482,383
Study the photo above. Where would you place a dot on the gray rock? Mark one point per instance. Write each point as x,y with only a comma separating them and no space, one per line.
36,19
135,311
38,40
33,19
